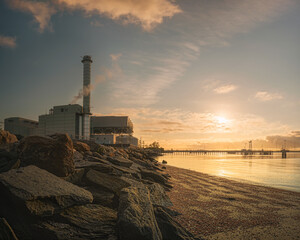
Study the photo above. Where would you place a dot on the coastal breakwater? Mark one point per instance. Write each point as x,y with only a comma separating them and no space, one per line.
56,188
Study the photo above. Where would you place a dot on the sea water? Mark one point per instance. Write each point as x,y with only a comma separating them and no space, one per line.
271,170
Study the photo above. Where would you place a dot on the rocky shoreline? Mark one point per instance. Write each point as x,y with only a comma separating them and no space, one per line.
56,188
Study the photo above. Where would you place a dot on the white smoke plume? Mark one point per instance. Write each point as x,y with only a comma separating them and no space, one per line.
107,74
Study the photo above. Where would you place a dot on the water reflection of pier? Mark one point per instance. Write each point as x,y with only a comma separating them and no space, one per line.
244,152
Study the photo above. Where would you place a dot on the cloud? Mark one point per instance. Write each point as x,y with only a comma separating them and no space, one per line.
176,127
219,84
96,23
266,96
41,11
115,57
225,89
148,13
143,88
6,41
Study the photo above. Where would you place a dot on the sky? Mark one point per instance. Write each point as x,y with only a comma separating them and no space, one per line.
189,73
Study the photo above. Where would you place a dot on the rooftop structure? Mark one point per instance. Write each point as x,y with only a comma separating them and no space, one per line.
111,124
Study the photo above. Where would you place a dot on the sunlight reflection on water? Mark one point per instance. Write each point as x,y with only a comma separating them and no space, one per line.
267,170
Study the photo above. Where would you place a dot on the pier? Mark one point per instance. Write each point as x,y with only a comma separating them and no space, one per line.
244,152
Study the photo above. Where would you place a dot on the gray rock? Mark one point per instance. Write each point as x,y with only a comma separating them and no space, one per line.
40,192
76,177
136,218
6,232
102,197
106,181
97,220
158,195
154,176
120,161
170,229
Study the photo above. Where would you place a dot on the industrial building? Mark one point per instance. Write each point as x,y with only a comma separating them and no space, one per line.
73,118
76,120
127,139
111,124
21,126
62,119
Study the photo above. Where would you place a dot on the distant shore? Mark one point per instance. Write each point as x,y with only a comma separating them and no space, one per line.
218,208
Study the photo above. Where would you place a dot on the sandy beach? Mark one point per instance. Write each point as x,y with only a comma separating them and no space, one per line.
218,208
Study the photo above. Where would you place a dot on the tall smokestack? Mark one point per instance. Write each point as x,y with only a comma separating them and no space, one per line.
87,62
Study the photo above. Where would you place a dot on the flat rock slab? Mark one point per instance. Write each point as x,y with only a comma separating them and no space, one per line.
136,219
98,220
120,161
106,181
40,191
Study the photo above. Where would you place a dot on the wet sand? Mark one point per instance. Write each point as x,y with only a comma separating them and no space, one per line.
218,208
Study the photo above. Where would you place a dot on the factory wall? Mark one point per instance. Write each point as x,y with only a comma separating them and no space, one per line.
127,139
21,126
61,119
104,138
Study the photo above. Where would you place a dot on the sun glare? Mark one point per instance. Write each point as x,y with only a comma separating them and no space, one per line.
221,120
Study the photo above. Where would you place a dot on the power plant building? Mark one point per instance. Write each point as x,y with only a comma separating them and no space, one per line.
62,119
72,119
111,124
76,120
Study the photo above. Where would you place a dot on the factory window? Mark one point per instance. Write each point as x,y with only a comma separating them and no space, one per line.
62,110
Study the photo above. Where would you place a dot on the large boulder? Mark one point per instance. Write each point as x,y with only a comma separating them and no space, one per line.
136,219
54,154
6,137
40,192
6,232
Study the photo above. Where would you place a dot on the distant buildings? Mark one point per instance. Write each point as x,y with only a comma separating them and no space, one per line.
76,120
21,126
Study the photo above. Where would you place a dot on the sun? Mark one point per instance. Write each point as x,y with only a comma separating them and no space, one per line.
221,120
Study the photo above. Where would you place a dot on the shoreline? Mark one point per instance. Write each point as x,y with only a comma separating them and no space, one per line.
239,180
216,207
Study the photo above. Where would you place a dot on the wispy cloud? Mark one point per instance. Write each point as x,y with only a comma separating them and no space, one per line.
219,85
265,96
148,13
41,11
215,22
6,41
225,89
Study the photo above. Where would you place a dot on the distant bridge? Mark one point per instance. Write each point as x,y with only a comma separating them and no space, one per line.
244,152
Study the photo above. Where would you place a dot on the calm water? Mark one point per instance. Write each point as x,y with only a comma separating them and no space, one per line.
267,170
